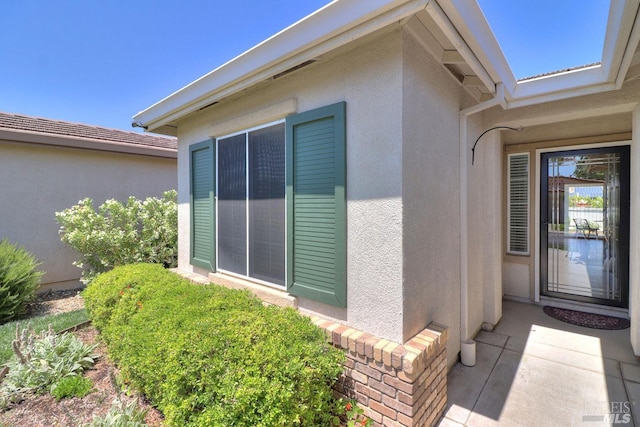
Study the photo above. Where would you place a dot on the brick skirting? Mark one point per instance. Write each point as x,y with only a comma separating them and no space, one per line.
397,385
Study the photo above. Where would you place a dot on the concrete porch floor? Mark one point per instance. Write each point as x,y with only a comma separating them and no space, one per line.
533,370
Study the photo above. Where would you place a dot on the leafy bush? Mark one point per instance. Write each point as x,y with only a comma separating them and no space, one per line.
119,234
18,279
40,361
121,414
212,356
72,386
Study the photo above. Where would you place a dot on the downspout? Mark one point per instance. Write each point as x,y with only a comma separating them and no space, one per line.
467,345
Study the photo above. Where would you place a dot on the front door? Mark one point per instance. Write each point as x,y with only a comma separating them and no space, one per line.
584,238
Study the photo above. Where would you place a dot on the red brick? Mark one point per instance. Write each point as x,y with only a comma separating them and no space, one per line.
396,357
397,405
387,351
409,388
368,391
349,363
405,420
357,376
362,399
382,409
360,358
360,343
337,334
352,340
386,422
375,416
371,372
387,370
368,346
405,398
380,386
407,377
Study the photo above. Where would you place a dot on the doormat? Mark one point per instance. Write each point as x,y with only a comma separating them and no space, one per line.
588,320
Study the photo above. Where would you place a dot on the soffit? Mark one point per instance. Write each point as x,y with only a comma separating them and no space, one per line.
423,27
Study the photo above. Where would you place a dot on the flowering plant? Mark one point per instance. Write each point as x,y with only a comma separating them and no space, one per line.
352,414
121,233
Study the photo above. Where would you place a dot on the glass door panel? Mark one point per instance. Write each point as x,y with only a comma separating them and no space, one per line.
232,204
266,204
585,220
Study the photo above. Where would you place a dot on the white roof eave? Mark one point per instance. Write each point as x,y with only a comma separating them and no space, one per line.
621,39
324,30
341,22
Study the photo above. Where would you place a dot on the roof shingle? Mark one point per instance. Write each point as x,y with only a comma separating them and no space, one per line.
78,130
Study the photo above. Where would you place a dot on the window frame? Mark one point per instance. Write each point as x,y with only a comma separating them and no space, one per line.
216,142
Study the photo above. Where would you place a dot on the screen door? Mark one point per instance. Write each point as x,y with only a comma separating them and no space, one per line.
585,225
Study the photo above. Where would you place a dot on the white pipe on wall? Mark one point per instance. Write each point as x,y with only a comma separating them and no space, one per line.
467,345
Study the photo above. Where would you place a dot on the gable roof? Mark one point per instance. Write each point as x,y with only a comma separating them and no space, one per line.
22,128
455,32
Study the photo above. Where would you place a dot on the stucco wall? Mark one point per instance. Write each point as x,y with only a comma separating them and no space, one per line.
484,188
368,76
38,181
430,192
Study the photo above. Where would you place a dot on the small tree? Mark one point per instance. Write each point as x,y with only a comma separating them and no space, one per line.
18,279
121,233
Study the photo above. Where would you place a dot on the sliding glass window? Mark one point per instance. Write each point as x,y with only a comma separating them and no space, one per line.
251,205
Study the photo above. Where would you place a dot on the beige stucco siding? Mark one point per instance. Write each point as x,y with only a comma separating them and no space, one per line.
369,79
431,206
38,181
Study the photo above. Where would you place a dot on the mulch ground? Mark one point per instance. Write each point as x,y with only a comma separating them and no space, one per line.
45,411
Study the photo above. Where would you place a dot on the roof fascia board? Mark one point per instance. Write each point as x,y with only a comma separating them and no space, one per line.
563,82
22,137
442,20
324,30
468,19
557,96
622,17
630,48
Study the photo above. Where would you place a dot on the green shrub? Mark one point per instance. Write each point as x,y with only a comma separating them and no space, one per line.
211,356
41,360
119,234
72,386
18,279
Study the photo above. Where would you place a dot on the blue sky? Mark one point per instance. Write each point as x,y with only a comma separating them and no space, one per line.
541,36
100,62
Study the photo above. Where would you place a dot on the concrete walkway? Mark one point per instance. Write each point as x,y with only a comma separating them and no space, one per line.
537,371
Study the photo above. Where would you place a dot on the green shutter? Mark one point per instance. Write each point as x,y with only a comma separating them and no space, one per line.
316,205
201,191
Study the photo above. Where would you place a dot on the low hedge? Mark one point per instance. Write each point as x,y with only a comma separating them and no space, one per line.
212,356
